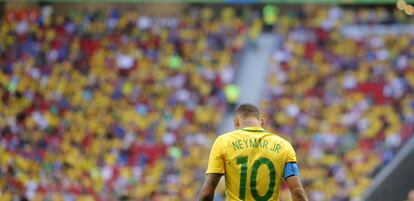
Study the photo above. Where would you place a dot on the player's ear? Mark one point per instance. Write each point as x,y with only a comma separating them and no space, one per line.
262,121
236,123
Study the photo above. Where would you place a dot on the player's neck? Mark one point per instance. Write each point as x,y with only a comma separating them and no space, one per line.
249,123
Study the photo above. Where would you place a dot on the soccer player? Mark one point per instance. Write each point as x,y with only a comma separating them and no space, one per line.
253,162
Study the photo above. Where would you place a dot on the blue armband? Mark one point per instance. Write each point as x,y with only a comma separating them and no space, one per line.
291,169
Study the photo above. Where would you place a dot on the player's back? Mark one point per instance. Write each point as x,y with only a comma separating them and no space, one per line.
254,163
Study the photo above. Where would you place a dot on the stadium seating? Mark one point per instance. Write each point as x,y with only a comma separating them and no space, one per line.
109,105
106,105
346,103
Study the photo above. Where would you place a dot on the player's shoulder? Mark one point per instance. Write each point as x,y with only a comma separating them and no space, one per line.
223,139
279,137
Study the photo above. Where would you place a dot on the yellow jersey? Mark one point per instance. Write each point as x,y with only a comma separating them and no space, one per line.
253,162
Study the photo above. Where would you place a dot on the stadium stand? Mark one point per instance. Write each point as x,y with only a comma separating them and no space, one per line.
112,105
346,102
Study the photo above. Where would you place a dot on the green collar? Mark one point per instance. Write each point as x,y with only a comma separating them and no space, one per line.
254,129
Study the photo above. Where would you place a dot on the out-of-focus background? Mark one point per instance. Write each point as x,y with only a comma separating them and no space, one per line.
121,100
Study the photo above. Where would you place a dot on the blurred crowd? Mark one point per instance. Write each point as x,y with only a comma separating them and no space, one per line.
113,105
346,103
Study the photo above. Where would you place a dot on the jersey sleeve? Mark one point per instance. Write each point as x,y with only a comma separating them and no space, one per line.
290,154
217,159
291,167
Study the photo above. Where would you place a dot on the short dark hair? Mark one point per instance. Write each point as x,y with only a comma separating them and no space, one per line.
247,110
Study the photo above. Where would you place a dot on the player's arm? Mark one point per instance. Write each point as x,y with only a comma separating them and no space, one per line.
296,189
291,176
209,187
214,171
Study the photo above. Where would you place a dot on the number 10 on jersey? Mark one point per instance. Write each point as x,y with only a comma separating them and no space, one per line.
243,161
